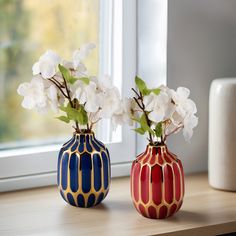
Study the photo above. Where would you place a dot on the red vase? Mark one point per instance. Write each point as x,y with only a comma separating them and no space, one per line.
157,183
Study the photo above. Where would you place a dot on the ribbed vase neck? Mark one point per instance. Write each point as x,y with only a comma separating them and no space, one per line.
155,148
83,135
156,154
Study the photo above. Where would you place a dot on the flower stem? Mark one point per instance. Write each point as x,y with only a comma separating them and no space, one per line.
172,132
148,121
71,103
59,87
142,107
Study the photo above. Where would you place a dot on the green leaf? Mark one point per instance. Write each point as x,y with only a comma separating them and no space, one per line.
65,73
158,129
72,80
85,80
79,115
83,117
145,126
141,85
74,114
140,131
63,118
62,108
143,122
156,91
147,91
135,119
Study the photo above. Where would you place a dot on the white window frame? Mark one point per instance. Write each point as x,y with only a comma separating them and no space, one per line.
36,166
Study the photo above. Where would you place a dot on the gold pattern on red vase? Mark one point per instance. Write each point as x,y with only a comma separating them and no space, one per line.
157,182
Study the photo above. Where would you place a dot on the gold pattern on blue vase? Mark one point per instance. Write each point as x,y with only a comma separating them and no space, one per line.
83,173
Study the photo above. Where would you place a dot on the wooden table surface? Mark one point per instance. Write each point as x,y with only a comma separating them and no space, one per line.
43,212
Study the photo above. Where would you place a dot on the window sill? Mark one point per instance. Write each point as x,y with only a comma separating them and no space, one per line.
42,211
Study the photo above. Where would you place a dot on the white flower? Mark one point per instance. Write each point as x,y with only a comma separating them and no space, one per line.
54,98
87,94
94,79
51,56
124,113
40,95
68,64
79,71
183,115
184,105
82,53
189,123
110,102
47,64
47,69
34,95
157,105
105,83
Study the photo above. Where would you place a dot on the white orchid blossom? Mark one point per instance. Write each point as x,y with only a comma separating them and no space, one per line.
47,65
157,106
110,102
124,113
89,96
81,54
190,122
34,94
184,105
79,71
55,98
105,83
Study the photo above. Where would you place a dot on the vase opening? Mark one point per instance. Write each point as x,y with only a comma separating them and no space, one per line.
84,134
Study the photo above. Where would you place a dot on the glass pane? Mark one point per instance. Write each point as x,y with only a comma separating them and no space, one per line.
27,29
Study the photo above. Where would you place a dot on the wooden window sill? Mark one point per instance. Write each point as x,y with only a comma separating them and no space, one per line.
43,212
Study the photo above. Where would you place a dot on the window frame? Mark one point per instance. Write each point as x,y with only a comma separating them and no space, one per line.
36,166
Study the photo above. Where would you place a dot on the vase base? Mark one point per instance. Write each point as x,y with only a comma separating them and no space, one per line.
223,188
82,201
156,212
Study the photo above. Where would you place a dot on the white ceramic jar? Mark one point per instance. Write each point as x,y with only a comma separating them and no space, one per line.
222,134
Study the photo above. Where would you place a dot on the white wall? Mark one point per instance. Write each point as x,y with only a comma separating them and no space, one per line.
201,47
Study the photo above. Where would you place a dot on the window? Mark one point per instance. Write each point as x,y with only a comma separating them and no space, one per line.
30,143
27,29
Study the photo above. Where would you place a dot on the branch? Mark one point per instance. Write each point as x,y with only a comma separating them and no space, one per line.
55,80
136,100
93,123
57,85
142,107
135,92
173,131
71,103
94,115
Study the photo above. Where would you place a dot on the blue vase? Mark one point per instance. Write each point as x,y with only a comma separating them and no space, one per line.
83,173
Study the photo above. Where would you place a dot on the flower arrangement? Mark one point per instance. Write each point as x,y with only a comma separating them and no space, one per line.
161,112
66,86
157,175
